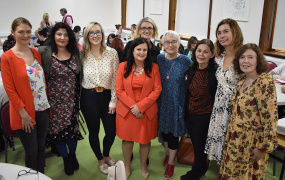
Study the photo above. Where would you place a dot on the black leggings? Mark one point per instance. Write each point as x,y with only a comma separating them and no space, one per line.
34,142
95,106
173,142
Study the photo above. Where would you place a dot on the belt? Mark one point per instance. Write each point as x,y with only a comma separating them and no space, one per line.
98,89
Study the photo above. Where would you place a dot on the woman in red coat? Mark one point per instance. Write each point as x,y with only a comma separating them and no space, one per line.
137,86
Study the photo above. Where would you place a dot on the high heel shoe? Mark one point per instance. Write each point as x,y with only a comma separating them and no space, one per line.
169,172
145,175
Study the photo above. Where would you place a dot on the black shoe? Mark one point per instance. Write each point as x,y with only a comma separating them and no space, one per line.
74,161
68,168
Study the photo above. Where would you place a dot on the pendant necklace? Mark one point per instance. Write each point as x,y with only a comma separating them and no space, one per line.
168,73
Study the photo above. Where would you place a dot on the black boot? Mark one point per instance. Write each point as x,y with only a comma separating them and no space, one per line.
74,161
68,168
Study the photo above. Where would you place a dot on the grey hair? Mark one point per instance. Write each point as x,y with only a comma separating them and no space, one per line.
173,34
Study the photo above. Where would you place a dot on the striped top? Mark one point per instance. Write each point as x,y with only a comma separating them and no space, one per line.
199,99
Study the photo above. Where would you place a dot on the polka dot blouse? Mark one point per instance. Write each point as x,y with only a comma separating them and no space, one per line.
101,72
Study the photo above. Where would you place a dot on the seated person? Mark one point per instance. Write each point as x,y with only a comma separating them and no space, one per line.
278,72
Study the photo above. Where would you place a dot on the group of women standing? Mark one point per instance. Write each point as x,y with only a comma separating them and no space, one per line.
229,108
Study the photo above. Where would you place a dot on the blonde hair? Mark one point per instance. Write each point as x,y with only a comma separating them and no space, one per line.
44,17
146,19
86,45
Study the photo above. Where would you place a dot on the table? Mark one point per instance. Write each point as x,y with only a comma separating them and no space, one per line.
10,172
280,95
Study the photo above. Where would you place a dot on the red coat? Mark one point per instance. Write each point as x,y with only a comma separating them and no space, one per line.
17,86
127,124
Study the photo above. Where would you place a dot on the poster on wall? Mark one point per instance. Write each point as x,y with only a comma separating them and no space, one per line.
236,9
155,6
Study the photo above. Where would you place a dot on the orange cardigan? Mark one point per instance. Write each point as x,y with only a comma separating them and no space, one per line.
16,83
150,92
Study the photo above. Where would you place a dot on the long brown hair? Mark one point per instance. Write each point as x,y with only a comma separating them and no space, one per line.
237,36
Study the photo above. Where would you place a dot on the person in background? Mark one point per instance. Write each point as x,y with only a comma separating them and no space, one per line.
9,43
229,40
120,32
98,98
45,23
192,42
42,37
137,113
110,39
63,70
181,49
133,31
172,68
118,45
201,90
67,18
77,31
3,100
278,72
147,29
24,82
160,45
252,130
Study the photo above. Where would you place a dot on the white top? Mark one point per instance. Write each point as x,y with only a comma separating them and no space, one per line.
101,72
37,82
279,70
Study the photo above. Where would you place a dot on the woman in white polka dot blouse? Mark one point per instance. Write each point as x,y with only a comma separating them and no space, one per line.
98,98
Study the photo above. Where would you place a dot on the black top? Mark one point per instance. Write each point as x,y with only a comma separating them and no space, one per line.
154,52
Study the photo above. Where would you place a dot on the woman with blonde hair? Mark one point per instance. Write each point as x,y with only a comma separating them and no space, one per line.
229,39
45,23
98,97
147,29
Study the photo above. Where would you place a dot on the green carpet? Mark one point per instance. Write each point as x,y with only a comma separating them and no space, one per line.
89,165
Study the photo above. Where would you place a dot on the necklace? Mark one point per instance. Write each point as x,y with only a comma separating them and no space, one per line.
168,73
138,72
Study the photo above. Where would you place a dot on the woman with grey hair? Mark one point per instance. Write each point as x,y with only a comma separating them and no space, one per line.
172,68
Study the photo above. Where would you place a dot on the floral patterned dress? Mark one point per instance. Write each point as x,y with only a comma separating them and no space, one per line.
256,105
63,92
227,81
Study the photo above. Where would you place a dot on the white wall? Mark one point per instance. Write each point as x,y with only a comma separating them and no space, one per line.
250,29
106,12
161,20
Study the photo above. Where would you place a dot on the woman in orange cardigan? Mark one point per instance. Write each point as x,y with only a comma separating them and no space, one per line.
137,86
24,82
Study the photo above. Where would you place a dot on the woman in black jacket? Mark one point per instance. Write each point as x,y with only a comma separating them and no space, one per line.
201,90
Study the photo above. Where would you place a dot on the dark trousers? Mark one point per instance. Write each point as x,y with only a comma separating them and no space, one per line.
34,142
95,106
197,126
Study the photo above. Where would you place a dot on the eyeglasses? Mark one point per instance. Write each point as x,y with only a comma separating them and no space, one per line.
167,43
25,172
146,28
98,33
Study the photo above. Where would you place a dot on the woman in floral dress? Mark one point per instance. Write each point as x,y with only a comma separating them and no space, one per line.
252,130
229,39
62,67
